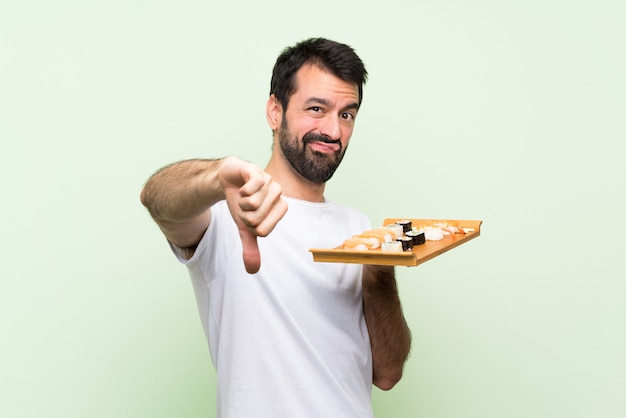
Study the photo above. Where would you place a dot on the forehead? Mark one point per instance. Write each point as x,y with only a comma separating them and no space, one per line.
313,81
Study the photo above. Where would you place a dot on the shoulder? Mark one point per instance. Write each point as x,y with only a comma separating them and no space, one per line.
349,212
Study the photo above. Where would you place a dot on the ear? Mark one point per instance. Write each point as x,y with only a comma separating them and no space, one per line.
274,112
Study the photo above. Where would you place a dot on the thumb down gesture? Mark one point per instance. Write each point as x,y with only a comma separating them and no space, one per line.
255,203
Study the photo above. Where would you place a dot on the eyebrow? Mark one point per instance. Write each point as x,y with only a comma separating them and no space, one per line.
324,102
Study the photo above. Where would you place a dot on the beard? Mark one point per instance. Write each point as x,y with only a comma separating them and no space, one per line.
315,166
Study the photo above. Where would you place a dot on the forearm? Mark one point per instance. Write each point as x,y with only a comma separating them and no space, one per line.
389,334
179,198
182,191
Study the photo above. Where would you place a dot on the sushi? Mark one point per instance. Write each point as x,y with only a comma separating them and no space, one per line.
405,224
405,234
418,237
392,246
407,243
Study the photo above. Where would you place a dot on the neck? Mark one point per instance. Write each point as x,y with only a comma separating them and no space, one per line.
292,183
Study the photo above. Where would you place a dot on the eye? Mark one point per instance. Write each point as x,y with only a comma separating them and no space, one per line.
315,109
348,116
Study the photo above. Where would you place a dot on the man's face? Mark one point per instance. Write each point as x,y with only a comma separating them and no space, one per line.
317,126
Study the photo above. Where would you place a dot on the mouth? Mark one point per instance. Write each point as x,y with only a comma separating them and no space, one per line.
322,143
323,146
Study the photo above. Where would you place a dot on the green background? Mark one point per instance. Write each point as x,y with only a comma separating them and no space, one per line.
512,112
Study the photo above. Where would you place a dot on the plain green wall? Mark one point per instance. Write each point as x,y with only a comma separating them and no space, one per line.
509,112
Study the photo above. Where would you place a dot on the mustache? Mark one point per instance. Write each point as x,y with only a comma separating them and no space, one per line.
313,137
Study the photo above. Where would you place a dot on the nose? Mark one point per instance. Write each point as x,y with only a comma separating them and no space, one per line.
331,127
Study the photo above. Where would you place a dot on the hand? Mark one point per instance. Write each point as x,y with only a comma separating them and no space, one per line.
255,203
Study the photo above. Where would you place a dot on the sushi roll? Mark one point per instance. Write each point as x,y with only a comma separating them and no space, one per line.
418,237
407,243
405,224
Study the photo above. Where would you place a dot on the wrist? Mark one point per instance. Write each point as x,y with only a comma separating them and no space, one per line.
379,279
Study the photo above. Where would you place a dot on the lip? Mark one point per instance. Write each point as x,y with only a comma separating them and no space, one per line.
325,146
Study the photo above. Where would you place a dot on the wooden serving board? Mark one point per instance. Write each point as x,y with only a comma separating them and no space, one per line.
419,254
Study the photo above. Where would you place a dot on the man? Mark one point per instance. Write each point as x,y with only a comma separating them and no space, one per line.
288,337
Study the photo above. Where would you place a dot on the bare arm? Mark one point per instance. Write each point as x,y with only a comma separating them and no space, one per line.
389,334
179,198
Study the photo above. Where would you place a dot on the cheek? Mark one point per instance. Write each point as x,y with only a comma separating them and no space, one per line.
300,125
306,126
346,134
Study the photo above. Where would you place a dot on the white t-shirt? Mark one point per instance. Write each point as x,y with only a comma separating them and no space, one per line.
291,340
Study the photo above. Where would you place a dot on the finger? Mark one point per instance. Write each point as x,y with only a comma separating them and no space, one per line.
264,208
271,218
248,236
251,255
254,192
255,182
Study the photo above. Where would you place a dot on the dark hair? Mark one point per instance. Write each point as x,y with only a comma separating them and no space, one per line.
334,57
